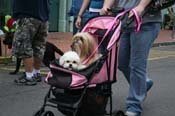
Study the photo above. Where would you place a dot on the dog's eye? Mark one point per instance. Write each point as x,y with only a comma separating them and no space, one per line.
74,62
81,39
68,61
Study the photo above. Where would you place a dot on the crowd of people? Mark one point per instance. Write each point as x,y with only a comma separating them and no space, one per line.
29,42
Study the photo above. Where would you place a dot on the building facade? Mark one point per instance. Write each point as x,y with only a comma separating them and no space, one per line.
59,20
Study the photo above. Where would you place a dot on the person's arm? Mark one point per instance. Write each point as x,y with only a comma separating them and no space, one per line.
140,7
83,7
106,5
80,14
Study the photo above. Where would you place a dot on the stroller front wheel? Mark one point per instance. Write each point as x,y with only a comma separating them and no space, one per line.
47,113
44,113
39,112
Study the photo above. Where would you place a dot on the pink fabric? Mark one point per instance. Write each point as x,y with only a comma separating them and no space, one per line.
138,20
78,80
115,36
102,75
49,75
108,23
98,23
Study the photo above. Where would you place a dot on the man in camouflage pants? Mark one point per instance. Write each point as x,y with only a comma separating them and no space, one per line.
30,37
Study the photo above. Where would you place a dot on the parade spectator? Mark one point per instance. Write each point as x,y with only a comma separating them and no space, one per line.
30,37
94,7
74,10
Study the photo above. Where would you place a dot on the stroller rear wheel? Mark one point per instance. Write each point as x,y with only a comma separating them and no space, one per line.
44,113
39,112
120,113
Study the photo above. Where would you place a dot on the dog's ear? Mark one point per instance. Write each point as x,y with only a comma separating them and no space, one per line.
61,60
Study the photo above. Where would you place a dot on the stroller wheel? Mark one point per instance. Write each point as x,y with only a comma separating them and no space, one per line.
120,113
47,113
39,112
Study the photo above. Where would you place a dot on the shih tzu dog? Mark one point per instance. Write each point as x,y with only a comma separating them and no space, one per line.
70,60
84,44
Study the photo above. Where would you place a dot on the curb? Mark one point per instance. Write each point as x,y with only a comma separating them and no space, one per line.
4,60
163,44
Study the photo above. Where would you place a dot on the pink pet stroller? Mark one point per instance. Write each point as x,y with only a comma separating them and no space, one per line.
86,92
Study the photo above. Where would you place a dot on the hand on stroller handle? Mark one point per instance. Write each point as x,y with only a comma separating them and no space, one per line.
115,10
125,16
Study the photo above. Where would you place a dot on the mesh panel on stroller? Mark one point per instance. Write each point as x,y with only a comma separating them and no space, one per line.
86,92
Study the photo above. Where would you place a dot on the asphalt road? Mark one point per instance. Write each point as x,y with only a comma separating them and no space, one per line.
25,100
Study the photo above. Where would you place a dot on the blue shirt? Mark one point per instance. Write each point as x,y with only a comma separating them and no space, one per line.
75,8
38,9
96,4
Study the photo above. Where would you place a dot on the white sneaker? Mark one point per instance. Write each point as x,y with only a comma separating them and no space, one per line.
129,113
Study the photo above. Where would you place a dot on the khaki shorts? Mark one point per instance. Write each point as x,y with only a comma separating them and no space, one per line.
30,38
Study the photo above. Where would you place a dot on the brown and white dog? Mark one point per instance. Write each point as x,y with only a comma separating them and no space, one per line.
84,44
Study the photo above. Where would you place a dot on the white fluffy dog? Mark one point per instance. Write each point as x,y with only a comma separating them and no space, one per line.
70,60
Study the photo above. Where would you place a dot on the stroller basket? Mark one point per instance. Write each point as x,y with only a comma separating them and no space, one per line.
68,101
65,98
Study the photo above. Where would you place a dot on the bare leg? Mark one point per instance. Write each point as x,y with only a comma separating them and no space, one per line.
37,63
28,64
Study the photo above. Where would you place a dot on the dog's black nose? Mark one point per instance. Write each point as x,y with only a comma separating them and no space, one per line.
70,65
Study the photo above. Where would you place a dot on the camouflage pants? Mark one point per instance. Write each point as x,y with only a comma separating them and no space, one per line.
30,38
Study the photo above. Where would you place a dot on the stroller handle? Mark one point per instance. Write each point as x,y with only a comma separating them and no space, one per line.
115,10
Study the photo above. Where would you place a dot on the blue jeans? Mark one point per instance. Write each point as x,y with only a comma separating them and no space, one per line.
133,55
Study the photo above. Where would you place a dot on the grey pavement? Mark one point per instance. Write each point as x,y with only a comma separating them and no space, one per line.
25,100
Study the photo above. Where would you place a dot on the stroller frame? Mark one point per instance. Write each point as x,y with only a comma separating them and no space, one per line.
53,102
109,55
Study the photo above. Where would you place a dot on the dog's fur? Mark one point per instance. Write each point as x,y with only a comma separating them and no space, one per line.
84,44
70,60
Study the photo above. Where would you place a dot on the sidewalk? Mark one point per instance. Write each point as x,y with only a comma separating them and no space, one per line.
164,38
63,40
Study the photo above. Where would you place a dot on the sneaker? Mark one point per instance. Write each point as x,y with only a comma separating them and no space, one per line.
149,84
129,113
13,73
24,81
38,77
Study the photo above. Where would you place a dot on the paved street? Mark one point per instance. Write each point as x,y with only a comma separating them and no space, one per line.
25,100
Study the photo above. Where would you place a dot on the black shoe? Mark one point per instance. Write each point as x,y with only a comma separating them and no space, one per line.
13,73
37,77
149,85
24,81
